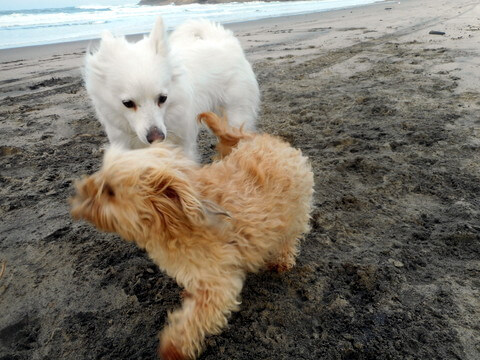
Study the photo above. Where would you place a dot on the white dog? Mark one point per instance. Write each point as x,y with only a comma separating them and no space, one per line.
153,90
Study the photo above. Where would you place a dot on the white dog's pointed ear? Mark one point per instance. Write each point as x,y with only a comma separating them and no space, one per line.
158,37
106,41
107,36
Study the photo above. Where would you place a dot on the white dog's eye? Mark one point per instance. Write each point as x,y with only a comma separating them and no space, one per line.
161,99
129,104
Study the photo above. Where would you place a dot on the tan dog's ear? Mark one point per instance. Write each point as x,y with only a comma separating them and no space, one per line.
175,198
183,194
178,204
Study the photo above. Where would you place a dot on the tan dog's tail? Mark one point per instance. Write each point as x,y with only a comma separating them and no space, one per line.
228,137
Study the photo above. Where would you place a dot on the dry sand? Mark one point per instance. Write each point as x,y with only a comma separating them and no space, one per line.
389,116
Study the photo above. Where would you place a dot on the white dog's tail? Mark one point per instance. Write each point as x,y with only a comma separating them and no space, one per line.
228,137
202,30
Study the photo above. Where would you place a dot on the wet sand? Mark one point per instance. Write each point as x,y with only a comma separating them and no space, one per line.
389,116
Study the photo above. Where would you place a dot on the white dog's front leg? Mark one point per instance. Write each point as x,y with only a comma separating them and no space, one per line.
241,116
190,141
191,151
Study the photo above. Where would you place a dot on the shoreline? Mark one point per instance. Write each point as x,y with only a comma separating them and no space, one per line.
26,52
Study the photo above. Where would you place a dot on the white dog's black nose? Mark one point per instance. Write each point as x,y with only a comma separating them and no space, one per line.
155,134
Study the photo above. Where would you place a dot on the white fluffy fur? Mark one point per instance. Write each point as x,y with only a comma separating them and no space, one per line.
200,67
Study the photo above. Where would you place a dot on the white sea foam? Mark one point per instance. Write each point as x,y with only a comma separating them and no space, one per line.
44,26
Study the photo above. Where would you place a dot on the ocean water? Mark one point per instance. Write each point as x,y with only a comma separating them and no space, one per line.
46,26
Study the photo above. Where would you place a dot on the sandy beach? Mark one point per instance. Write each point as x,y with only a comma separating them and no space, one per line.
389,115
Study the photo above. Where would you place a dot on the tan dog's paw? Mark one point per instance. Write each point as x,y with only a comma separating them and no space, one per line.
279,268
184,294
169,351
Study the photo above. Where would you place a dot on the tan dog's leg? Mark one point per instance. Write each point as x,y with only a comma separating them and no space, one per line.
203,313
285,259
